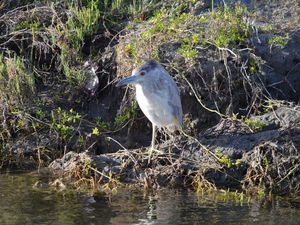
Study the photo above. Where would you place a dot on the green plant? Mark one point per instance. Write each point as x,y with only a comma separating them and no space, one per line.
222,27
265,162
267,27
128,8
111,185
261,193
225,160
201,184
102,124
87,165
268,106
231,27
39,113
252,65
187,49
110,180
63,121
130,48
81,23
95,131
32,25
128,113
254,124
73,75
16,81
279,41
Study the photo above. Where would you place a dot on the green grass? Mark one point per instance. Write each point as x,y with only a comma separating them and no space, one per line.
81,23
17,83
126,8
221,27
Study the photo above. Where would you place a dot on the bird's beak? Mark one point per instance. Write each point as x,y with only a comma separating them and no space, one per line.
128,80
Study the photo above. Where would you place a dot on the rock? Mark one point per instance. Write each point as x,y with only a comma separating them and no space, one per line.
229,155
200,6
235,145
281,69
283,117
67,163
274,165
168,52
71,161
91,81
283,14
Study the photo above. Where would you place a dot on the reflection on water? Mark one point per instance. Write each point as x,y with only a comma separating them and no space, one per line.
22,203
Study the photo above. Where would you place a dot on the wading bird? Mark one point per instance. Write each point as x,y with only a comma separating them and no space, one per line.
158,97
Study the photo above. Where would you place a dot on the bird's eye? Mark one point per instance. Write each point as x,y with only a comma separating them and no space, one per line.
142,73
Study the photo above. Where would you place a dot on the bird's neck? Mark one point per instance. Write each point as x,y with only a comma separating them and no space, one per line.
139,87
140,92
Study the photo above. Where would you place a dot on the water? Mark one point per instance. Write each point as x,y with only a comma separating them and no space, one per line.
21,202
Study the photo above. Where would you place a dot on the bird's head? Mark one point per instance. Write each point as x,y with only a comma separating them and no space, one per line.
141,74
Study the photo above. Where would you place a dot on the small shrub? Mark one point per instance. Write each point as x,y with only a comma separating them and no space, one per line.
63,121
222,27
278,41
17,83
254,124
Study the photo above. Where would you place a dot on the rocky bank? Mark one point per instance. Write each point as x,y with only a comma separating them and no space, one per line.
236,65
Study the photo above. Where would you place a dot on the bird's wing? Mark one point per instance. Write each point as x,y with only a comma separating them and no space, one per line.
173,98
165,92
175,103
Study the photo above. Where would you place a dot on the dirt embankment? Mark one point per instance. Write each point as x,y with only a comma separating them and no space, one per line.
237,71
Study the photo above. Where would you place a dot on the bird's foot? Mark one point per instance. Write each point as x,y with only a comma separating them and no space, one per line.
153,151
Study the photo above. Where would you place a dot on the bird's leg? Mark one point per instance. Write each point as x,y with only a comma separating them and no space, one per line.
152,148
152,141
153,137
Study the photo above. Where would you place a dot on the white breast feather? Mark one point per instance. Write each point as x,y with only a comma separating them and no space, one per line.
155,107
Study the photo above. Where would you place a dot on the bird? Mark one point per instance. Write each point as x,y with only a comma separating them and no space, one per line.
158,97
